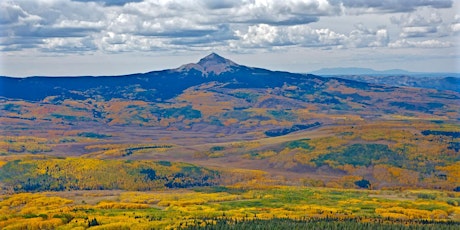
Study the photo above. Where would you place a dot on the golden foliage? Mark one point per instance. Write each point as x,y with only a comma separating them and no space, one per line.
120,205
453,172
162,209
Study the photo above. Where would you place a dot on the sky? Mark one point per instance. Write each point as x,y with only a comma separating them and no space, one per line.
115,37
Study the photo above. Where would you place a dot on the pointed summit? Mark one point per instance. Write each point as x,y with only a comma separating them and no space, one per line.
214,63
214,59
211,64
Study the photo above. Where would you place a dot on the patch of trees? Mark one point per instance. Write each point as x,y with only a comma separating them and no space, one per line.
69,117
354,96
93,222
12,108
362,155
191,176
131,150
187,111
282,114
428,107
294,128
93,135
452,134
363,183
216,148
248,96
165,163
327,99
455,146
303,144
90,174
241,115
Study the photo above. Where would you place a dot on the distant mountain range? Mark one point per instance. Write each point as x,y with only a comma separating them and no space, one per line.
416,81
358,71
340,71
396,77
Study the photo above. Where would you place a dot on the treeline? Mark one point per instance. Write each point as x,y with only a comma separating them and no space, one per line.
96,174
326,223
294,128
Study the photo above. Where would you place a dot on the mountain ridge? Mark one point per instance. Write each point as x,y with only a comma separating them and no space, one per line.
358,71
346,71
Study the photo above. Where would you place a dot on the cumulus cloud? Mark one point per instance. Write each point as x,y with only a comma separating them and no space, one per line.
264,35
364,37
27,24
418,25
455,26
67,45
293,12
153,23
116,43
146,25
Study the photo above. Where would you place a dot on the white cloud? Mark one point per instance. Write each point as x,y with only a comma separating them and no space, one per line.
417,31
30,24
455,26
417,19
67,45
261,35
430,44
11,13
420,24
292,12
115,43
264,35
364,37
393,5
174,24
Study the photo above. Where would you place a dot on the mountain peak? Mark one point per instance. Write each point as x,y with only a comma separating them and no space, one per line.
211,64
213,59
215,63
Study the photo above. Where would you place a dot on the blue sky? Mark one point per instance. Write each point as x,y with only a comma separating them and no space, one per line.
111,37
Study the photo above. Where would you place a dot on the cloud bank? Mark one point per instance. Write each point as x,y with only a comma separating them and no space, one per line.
134,25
